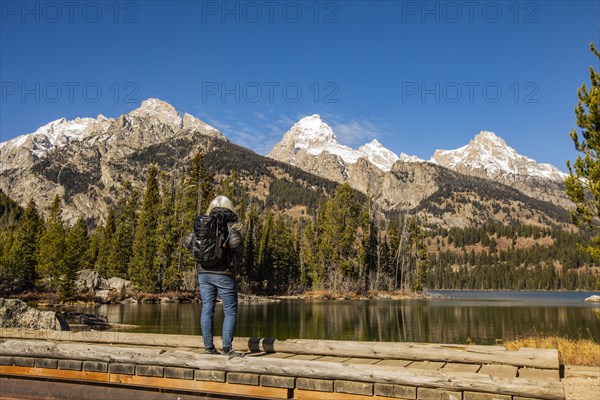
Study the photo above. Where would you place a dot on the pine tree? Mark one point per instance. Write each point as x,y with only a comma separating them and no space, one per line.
91,255
76,247
51,249
263,265
583,183
312,272
341,226
193,194
121,245
104,244
167,236
26,246
249,236
142,268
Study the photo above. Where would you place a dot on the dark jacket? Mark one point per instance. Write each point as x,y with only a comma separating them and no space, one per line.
234,250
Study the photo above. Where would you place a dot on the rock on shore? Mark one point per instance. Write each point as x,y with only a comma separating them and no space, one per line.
15,313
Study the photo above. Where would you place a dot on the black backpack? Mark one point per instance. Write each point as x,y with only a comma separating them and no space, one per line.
210,240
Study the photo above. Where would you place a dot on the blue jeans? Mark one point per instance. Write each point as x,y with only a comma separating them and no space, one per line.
226,287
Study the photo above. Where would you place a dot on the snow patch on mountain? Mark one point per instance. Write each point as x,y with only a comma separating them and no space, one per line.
55,134
314,136
408,158
378,155
61,132
489,153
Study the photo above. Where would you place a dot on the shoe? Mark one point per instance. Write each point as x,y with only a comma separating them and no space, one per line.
211,350
231,353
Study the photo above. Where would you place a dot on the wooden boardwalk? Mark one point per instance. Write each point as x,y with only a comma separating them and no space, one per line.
156,365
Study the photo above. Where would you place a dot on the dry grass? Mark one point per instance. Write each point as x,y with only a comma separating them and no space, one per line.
570,351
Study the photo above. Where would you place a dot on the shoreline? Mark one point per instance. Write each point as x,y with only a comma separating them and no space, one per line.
50,300
90,299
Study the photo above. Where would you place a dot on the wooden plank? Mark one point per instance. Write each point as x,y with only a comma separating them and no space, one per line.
473,354
393,363
305,357
332,359
300,394
503,371
534,373
201,386
535,358
457,367
430,365
581,371
278,355
363,361
54,373
285,367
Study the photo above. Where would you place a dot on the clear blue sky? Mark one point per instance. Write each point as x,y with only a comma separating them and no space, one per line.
417,76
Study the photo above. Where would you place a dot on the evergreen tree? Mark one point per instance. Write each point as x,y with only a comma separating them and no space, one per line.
193,195
9,282
249,236
143,271
263,266
76,247
91,255
341,227
311,270
583,183
167,237
104,244
121,245
26,246
51,249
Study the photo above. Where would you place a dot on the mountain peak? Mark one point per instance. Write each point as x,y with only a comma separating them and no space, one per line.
489,138
378,155
158,110
314,136
310,130
489,154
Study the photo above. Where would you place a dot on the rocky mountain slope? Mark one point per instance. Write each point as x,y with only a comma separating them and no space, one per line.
492,180
87,160
488,156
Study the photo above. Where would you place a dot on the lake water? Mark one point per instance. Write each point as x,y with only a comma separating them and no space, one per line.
460,316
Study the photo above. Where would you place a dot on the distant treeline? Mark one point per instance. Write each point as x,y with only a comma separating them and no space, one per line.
337,246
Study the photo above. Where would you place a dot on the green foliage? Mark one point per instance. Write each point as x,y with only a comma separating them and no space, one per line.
339,245
51,250
194,193
121,237
10,212
143,270
106,234
341,225
76,248
25,246
165,259
583,183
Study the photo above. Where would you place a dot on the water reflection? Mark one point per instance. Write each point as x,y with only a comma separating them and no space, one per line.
452,320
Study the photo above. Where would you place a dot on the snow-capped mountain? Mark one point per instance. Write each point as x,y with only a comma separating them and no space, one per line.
57,133
24,149
312,135
405,180
85,160
489,155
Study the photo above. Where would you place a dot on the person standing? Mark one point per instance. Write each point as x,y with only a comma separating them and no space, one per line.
217,245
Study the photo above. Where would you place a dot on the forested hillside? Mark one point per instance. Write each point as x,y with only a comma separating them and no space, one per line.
336,243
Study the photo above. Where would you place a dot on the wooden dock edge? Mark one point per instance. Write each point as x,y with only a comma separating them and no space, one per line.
476,354
335,380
